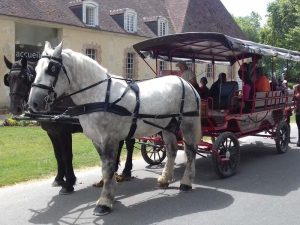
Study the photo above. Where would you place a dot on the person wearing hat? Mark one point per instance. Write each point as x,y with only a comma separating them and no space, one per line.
187,74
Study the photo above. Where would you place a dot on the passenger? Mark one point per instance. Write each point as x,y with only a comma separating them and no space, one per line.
273,84
215,87
216,91
247,91
281,86
297,111
188,75
204,90
262,82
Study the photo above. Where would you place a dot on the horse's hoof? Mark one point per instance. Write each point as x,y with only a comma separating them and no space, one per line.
185,188
163,185
99,184
122,177
66,190
101,210
58,183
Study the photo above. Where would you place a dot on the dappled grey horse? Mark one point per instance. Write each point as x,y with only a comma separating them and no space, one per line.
111,109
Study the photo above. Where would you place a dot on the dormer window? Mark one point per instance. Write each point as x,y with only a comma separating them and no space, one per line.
159,25
90,13
162,26
130,21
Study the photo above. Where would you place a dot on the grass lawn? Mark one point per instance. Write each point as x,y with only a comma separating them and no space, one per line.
26,153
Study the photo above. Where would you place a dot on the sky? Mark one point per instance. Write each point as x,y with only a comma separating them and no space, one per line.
245,7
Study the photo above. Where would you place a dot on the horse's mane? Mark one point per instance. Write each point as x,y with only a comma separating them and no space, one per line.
78,57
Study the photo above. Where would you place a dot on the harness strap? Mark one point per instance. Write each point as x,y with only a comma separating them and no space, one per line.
42,86
81,90
107,95
97,107
136,110
181,104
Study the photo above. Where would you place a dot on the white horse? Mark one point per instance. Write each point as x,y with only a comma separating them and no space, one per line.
109,108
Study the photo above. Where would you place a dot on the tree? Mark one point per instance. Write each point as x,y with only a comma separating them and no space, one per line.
283,29
250,25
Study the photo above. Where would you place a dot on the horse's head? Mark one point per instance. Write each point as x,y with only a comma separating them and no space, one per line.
51,78
19,80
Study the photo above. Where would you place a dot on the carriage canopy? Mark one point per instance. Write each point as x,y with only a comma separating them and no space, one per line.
208,46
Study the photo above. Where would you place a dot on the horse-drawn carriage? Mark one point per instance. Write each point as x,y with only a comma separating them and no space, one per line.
223,117
111,108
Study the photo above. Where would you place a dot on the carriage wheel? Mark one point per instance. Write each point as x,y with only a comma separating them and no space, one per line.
282,137
226,154
153,153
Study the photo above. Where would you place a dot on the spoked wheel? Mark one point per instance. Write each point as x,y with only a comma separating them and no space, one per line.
226,154
153,153
282,137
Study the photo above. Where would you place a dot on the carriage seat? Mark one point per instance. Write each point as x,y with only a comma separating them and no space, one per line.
223,96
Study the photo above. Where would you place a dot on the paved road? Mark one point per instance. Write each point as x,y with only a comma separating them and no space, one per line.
264,191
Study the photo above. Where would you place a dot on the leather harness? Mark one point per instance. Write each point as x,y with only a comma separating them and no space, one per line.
112,107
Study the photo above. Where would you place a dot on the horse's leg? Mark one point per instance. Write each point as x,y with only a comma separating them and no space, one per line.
67,155
59,179
108,153
128,164
118,178
171,148
191,135
121,143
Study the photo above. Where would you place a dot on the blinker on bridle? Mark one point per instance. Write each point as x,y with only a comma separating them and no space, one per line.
53,69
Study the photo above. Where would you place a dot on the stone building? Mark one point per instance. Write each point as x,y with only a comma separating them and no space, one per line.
103,29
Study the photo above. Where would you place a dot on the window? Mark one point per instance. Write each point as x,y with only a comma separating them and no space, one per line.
90,13
130,21
92,53
163,28
90,16
129,67
209,70
162,65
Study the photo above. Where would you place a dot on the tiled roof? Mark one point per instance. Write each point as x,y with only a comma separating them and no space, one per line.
184,15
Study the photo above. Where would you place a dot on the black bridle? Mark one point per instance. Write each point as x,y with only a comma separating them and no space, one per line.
27,74
54,67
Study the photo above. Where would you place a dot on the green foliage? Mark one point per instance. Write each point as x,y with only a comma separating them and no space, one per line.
12,122
283,30
250,25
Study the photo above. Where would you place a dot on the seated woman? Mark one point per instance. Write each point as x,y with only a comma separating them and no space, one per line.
262,82
203,90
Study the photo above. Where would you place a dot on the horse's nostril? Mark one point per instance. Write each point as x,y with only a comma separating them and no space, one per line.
35,105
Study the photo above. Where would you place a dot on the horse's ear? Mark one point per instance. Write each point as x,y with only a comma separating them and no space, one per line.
47,45
7,63
58,50
24,62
